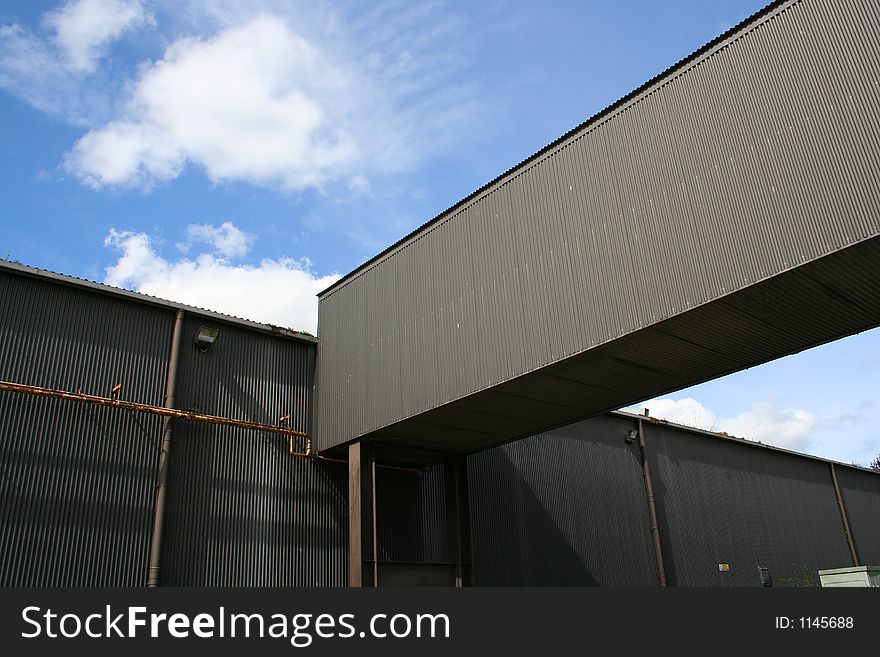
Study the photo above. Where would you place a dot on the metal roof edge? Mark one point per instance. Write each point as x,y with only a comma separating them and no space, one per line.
680,64
138,297
735,439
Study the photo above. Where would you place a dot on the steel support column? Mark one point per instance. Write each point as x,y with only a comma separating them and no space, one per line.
458,519
362,542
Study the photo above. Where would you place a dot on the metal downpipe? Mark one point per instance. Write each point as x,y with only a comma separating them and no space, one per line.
164,457
847,532
652,507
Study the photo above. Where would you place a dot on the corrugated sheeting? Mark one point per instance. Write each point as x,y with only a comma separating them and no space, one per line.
720,502
752,158
569,507
565,508
243,511
861,495
411,519
76,481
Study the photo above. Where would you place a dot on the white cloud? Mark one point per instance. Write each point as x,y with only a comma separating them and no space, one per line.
30,69
58,74
226,239
280,292
284,95
359,184
789,427
83,28
254,103
783,427
686,411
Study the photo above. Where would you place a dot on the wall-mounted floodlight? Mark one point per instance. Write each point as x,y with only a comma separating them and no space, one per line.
631,436
207,337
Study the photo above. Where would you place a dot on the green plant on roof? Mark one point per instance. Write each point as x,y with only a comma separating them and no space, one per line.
802,576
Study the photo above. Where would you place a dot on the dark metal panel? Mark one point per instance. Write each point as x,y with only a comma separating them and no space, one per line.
754,157
410,518
861,496
723,502
562,508
76,480
242,510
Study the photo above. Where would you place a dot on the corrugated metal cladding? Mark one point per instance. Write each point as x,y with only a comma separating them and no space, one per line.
753,157
565,508
861,495
719,502
411,518
77,481
569,507
241,510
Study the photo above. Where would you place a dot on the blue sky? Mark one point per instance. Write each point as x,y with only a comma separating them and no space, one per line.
241,155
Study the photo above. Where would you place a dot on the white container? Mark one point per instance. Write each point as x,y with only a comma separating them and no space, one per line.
861,576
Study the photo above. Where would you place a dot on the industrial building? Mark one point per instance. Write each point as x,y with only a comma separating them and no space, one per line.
566,507
453,422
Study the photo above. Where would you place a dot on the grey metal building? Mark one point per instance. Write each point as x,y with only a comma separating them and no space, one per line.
451,425
567,507
721,215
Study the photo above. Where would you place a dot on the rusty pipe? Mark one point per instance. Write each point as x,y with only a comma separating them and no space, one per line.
9,386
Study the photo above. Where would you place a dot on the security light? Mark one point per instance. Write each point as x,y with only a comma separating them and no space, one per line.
207,337
631,435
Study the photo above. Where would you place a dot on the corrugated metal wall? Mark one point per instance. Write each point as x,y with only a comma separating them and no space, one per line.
861,495
241,510
566,508
77,481
569,508
723,503
411,523
754,157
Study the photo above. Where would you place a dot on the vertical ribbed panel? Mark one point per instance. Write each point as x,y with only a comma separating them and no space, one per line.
242,511
411,518
757,155
569,507
76,481
720,502
861,495
566,508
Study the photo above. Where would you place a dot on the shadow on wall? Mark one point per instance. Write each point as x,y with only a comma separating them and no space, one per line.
516,541
241,510
411,515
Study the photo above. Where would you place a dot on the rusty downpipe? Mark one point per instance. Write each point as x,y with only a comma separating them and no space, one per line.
652,507
843,517
153,576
